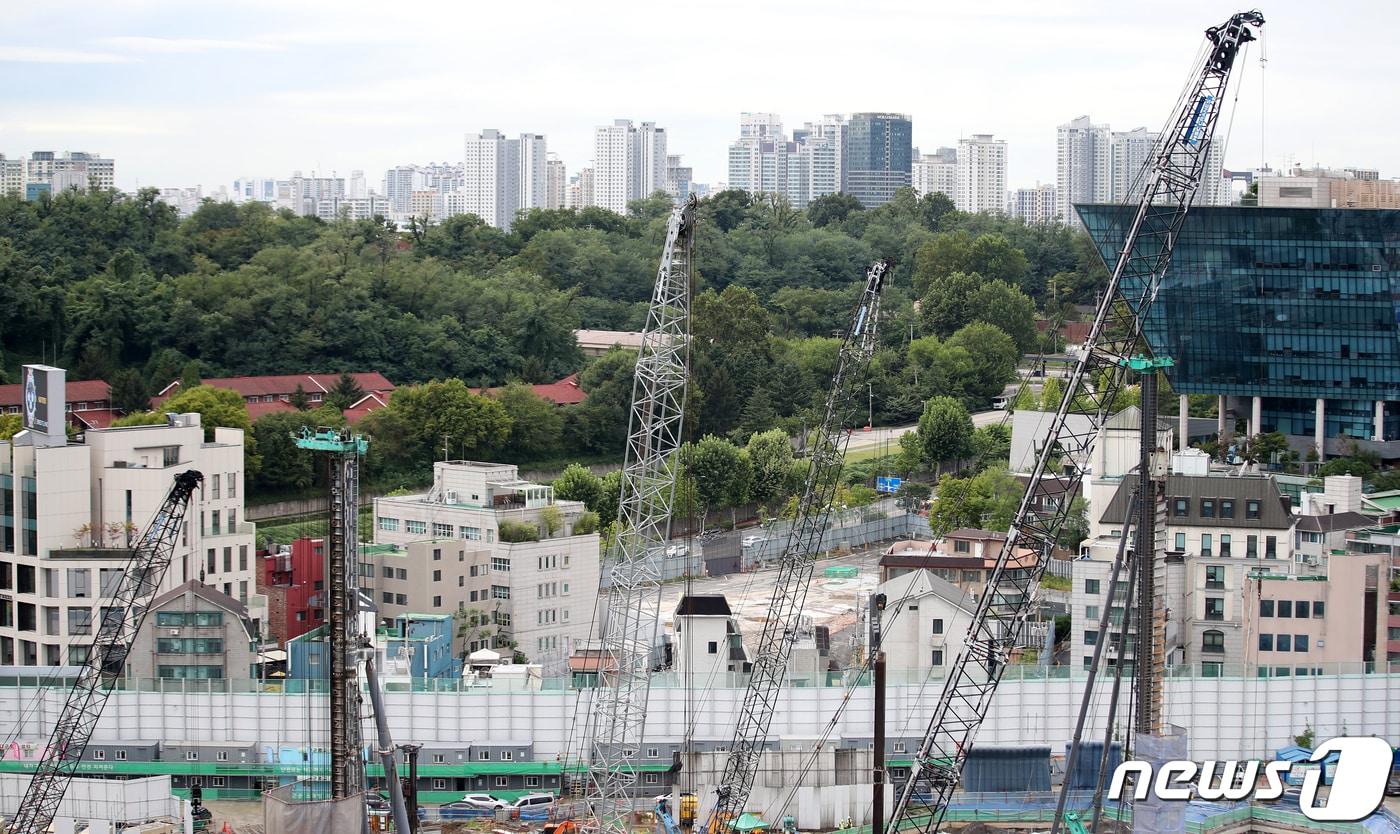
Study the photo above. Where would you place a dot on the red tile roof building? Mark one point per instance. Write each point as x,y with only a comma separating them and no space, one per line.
561,392
269,394
89,402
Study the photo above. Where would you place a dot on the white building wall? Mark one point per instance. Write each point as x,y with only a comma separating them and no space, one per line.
534,172
1129,152
491,178
1226,718
1083,165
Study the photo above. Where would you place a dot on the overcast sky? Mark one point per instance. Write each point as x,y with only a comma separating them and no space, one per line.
185,93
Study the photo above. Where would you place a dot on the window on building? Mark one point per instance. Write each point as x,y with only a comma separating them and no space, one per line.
1283,642
484,755
214,523
1215,608
502,781
469,533
1300,642
387,597
1207,508
500,592
108,578
1266,608
99,754
442,531
1270,547
532,781
1215,577
501,564
1181,507
401,599
437,602
79,621
960,546
507,755
214,486
1091,638
1091,613
1266,642
401,573
713,647
437,576
437,554
1206,548
243,557
1225,545
388,525
1179,543
413,526
1227,508
78,582
228,559
1285,608
650,778
937,626
233,484
1251,509
119,755
1091,586
1251,547
937,659
1213,642
191,755
212,555
221,756
439,784
1212,669
1301,609
1317,610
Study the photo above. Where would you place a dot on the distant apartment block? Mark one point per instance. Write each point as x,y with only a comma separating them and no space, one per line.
1083,165
556,182
629,163
936,173
982,163
877,156
70,170
1040,204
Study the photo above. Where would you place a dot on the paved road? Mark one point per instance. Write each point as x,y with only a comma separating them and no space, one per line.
890,434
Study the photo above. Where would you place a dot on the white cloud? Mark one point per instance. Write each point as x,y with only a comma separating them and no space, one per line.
172,46
46,55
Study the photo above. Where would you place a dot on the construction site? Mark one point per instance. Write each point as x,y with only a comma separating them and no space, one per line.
725,735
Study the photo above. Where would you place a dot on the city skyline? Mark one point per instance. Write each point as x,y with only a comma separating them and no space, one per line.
392,102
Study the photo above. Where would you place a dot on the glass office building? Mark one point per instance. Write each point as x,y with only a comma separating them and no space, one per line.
1289,315
877,157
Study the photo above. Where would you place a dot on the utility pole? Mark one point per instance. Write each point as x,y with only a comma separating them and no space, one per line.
870,419
877,801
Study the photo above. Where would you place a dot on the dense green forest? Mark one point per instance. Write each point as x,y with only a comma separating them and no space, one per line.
119,288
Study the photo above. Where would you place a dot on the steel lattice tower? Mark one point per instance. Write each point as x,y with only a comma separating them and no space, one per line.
649,472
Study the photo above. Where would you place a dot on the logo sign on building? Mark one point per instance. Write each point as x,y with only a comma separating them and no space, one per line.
1358,784
43,400
885,483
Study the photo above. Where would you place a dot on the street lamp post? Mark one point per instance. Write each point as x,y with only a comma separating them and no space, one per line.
870,418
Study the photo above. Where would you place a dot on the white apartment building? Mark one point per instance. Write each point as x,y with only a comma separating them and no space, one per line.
629,163
352,208
448,554
1129,152
579,192
185,200
491,178
982,162
1040,204
534,176
760,126
71,509
11,176
71,169
556,182
678,178
309,192
936,173
1083,170
758,165
824,143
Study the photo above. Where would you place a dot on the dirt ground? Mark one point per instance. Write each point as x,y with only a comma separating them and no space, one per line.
244,816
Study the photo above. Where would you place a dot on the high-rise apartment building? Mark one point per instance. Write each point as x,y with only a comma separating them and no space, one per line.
11,176
877,156
1129,153
555,182
758,165
1082,165
579,193
533,171
491,178
1040,204
760,126
308,193
678,178
820,146
981,174
71,511
399,184
71,169
937,173
629,163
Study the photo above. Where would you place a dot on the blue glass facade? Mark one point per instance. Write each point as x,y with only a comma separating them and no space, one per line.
1290,305
877,157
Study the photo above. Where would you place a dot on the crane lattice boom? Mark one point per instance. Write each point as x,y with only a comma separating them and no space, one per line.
1171,182
795,567
120,621
644,516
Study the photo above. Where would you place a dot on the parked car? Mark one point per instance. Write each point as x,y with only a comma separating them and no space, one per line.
482,800
462,809
750,541
676,551
532,806
707,535
1000,403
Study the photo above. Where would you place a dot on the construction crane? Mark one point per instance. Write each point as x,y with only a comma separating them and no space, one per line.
828,451
343,453
614,731
1168,186
106,659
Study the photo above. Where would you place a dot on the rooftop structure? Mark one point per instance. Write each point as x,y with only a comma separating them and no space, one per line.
268,394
